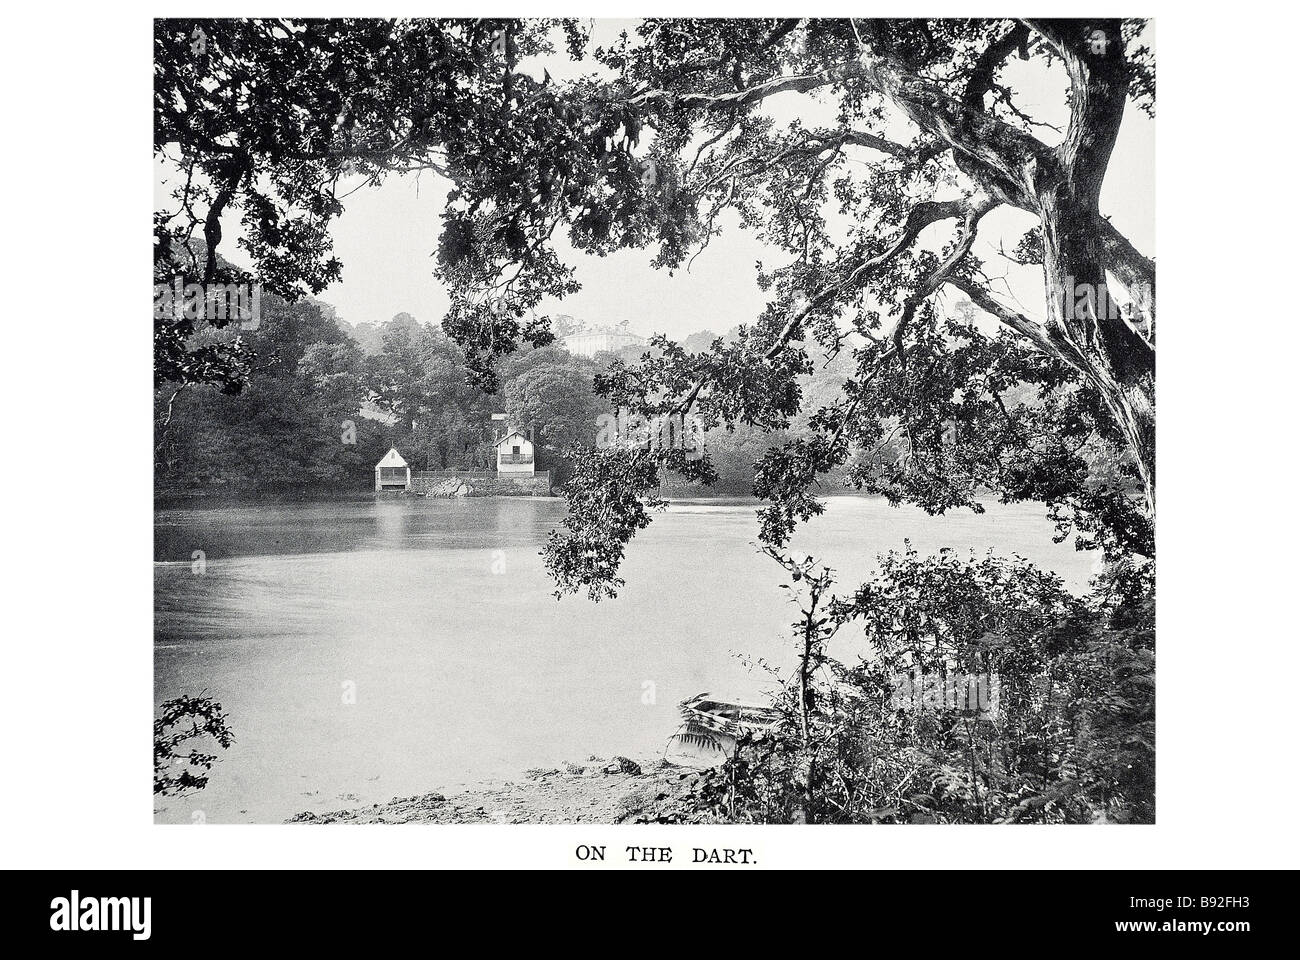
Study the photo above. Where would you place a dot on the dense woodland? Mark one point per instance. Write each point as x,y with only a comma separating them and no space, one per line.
324,400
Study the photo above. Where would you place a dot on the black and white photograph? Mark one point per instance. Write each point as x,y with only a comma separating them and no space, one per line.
645,439
654,421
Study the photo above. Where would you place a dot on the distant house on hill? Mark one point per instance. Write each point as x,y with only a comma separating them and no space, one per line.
392,472
514,455
594,340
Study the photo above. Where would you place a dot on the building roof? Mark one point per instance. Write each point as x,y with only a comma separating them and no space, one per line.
391,459
512,433
589,342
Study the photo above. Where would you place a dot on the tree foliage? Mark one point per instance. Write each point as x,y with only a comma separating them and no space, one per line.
183,725
1066,736
318,411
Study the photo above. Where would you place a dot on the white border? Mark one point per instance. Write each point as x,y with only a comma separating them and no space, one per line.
77,696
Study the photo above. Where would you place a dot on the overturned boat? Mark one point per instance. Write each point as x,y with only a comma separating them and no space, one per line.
711,728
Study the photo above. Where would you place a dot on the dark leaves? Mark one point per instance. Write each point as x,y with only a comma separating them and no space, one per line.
181,722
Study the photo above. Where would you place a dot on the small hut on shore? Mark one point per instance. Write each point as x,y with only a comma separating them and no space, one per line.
392,472
514,455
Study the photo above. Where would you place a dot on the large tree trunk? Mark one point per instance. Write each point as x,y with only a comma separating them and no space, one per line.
1066,187
1087,325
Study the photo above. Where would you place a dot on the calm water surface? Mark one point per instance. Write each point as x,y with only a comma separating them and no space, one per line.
438,616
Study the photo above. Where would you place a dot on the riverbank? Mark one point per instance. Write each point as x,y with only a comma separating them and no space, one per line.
617,790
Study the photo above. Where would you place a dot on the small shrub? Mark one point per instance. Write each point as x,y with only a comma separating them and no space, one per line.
193,722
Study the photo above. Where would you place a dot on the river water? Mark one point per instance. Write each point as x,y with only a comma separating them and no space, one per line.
377,648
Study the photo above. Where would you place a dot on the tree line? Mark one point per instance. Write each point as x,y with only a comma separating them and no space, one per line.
321,400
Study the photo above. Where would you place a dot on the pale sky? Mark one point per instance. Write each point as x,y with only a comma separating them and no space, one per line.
387,234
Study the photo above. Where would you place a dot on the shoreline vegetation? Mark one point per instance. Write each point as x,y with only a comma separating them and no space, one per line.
326,399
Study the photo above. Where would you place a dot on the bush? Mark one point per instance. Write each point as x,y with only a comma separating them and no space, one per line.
183,721
1067,735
